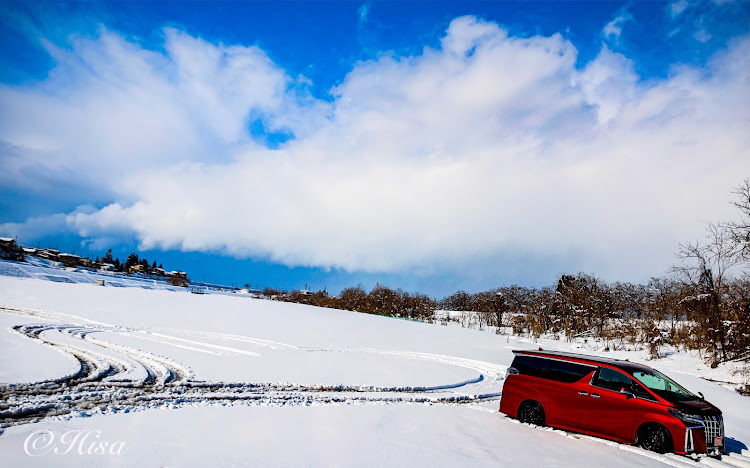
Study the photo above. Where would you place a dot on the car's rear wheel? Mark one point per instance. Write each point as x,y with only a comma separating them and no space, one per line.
531,412
655,438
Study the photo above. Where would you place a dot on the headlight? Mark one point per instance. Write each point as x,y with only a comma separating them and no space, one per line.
686,418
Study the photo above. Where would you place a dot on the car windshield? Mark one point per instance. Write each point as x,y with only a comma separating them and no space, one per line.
663,385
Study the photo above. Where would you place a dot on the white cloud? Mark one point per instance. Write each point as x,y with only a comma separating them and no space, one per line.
701,35
489,147
363,12
34,228
608,82
111,108
41,226
677,7
613,29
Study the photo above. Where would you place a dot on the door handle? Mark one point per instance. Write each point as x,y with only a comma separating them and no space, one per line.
582,393
595,395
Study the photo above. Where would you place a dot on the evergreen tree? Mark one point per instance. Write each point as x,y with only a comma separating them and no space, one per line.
131,261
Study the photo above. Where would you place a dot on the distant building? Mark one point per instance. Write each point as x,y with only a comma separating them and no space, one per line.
9,250
49,254
70,260
90,264
178,278
159,272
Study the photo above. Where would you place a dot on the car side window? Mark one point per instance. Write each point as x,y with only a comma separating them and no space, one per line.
528,365
612,380
641,392
651,380
564,371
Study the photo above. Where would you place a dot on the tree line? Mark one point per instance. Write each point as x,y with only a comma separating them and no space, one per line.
381,300
130,262
665,311
146,268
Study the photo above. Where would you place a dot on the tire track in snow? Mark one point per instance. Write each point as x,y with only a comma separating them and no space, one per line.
113,377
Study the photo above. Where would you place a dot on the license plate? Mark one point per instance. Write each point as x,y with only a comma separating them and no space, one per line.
718,441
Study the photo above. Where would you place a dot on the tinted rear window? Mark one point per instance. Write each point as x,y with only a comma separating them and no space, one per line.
561,371
528,365
564,371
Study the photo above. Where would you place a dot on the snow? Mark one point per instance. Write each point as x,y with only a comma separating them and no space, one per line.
330,435
224,358
23,360
282,384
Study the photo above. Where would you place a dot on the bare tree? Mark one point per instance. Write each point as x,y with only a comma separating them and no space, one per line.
740,230
704,269
354,299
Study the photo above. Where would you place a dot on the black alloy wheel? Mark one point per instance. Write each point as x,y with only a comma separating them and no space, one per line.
655,438
531,412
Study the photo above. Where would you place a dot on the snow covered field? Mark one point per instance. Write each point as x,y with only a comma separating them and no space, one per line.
161,377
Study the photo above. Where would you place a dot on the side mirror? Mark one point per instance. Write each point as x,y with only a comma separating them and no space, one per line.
627,393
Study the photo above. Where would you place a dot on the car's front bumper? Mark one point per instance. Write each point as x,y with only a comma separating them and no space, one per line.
707,437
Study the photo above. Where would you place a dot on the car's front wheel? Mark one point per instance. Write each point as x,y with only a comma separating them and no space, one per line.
531,412
655,438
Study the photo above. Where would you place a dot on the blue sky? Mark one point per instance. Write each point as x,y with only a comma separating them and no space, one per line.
431,146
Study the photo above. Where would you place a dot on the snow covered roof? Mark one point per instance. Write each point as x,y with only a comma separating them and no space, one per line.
69,255
6,239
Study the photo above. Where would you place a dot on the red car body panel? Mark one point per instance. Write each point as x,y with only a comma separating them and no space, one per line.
582,406
612,414
564,404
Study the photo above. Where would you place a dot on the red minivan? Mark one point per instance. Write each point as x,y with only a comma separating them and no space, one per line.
610,398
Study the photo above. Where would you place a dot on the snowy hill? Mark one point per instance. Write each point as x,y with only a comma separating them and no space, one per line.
162,377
